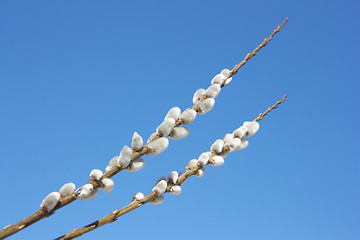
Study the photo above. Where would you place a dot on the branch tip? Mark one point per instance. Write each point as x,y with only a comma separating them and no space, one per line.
262,115
256,50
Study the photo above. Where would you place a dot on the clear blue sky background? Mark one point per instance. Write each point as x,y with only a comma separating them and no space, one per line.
77,78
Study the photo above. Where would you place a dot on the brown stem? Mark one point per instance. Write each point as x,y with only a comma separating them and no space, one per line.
256,50
37,216
112,217
261,115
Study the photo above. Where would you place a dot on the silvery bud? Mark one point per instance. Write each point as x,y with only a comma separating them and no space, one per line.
227,81
125,157
219,79
198,95
136,165
138,196
92,195
152,136
175,190
228,137
158,200
84,192
188,116
225,72
67,189
179,133
173,113
200,173
160,187
173,177
217,146
50,201
252,126
161,178
204,159
112,163
217,161
166,127
96,174
213,91
191,164
158,146
240,132
233,144
205,106
244,144
137,142
107,185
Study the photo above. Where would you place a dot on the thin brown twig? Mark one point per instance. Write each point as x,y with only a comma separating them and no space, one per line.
261,115
40,214
256,50
112,217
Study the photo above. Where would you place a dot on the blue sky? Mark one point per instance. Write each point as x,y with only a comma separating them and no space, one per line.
77,78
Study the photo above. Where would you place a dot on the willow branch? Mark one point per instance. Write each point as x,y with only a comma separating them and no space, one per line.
256,50
112,217
40,214
261,115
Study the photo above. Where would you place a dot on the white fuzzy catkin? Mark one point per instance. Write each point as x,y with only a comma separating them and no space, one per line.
191,164
166,127
219,79
50,201
203,159
158,200
228,137
160,187
175,190
206,105
200,173
252,126
158,146
125,157
240,132
84,191
92,195
188,116
217,161
137,142
67,189
138,196
225,72
112,163
213,91
208,153
152,137
227,81
173,113
233,143
96,174
108,185
244,144
198,95
161,178
217,146
173,177
179,133
136,165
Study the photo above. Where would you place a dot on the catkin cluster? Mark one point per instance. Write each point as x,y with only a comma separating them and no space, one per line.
235,141
203,100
